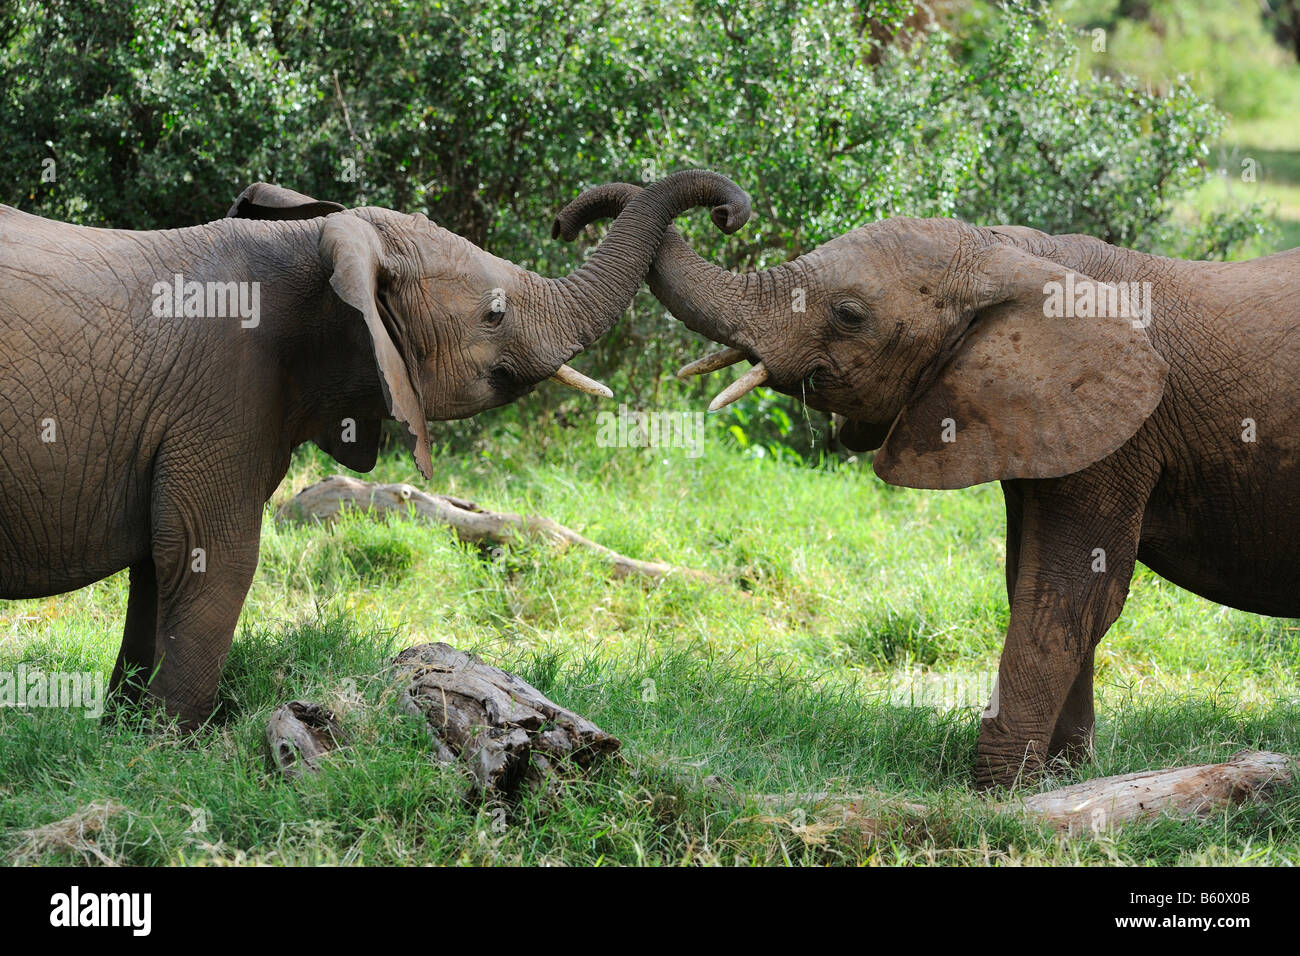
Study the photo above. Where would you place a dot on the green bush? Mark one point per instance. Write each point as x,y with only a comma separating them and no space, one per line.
490,115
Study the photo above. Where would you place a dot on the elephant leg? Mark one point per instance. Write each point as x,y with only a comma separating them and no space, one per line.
1072,736
134,664
1014,499
205,550
1078,545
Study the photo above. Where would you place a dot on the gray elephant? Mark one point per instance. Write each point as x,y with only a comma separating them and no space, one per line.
1133,408
154,384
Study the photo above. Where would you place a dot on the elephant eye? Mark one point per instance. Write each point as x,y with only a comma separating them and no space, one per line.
850,315
495,304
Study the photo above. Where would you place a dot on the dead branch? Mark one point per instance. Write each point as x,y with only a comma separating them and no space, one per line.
324,500
1097,805
1089,807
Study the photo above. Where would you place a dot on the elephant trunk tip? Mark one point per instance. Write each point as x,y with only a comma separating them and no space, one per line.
731,216
609,200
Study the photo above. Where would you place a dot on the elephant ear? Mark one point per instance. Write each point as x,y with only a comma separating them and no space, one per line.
1025,394
353,444
350,248
267,201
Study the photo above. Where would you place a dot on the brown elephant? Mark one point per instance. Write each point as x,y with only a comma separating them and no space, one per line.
1133,407
153,385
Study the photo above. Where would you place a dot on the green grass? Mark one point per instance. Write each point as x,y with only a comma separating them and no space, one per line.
785,679
1273,147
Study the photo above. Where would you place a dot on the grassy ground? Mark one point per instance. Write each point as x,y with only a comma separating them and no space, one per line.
1271,150
846,600
843,592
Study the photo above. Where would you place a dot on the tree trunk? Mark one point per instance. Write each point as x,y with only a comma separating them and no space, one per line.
1083,808
1097,805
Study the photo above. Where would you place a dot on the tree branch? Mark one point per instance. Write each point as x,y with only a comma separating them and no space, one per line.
325,499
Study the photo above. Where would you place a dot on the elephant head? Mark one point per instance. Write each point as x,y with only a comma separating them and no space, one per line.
455,330
929,336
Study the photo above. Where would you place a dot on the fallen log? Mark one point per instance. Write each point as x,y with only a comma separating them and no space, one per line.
1097,805
324,500
299,734
504,729
1087,808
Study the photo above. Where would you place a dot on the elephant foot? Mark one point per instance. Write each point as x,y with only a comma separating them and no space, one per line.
1071,745
1000,773
1009,764
147,713
1005,761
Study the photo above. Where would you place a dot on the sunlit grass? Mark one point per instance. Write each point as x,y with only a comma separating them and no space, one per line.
836,590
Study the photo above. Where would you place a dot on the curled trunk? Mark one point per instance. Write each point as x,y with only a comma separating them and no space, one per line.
594,296
715,302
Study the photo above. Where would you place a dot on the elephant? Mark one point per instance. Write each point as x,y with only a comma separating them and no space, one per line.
1133,408
154,384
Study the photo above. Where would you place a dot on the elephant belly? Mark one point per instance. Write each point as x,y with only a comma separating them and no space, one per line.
61,530
1234,543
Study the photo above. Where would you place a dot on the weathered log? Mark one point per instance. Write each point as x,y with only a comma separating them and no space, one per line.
323,501
299,734
1084,808
504,729
1097,805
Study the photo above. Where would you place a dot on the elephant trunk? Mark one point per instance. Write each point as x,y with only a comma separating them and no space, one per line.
706,298
721,305
594,296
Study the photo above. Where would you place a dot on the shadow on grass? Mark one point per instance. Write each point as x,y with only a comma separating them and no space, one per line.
760,726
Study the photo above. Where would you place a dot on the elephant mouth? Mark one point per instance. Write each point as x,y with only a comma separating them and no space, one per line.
725,358
505,383
811,388
818,379
508,385
821,386
862,436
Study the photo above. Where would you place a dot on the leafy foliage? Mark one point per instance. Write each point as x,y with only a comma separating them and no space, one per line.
488,115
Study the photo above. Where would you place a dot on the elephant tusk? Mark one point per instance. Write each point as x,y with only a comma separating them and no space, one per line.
710,363
576,380
755,377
